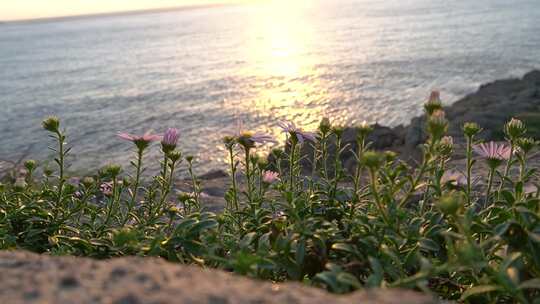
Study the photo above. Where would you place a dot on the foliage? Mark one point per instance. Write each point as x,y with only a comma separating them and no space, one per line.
385,225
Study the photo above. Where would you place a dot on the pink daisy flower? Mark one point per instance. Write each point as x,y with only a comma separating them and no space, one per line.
106,188
249,139
140,141
493,150
270,177
494,153
293,130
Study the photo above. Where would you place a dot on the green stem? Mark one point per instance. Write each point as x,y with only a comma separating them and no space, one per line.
233,178
135,186
360,151
415,182
292,165
261,192
507,168
490,183
165,164
375,193
469,168
166,191
337,166
196,189
324,156
61,177
112,206
522,167
248,175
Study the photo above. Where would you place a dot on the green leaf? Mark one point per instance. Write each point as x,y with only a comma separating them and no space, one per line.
375,279
508,197
300,252
429,244
185,224
247,240
343,247
349,279
204,225
328,279
530,284
502,228
477,290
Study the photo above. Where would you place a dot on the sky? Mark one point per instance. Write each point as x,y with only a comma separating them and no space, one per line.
32,9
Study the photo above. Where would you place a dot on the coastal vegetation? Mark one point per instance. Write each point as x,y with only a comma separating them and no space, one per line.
386,223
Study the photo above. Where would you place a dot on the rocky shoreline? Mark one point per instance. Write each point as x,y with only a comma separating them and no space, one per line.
32,278
490,106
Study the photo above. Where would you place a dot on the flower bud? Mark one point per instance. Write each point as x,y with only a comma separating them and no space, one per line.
174,156
112,170
88,181
437,124
434,103
126,181
262,162
514,129
172,211
364,129
471,129
51,124
446,146
338,131
449,203
325,126
48,172
526,144
371,160
229,141
169,140
30,165
390,156
184,196
19,185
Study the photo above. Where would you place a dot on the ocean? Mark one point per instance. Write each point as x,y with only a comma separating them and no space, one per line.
201,70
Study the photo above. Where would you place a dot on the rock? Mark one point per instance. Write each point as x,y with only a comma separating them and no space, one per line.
214,191
491,106
214,174
415,133
5,168
495,103
382,138
32,278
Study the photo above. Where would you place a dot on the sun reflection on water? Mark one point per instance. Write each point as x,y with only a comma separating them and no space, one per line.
283,62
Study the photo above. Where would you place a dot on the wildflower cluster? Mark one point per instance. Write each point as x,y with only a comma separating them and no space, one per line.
430,227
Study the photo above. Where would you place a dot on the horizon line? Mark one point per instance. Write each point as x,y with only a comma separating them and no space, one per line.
119,13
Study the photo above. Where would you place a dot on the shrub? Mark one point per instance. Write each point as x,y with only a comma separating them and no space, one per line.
387,225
